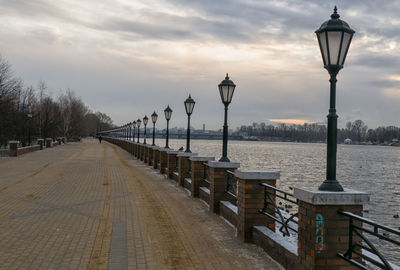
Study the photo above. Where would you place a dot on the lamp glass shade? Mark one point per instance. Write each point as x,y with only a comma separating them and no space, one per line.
168,113
334,38
138,122
154,117
189,105
226,90
134,123
145,120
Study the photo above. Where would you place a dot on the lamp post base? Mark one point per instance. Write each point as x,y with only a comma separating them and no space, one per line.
224,159
330,185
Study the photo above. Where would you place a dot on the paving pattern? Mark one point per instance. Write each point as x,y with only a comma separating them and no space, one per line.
93,206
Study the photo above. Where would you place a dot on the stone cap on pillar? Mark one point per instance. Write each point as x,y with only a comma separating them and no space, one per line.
155,147
257,175
202,158
317,197
163,149
172,151
219,164
49,139
13,141
40,140
186,154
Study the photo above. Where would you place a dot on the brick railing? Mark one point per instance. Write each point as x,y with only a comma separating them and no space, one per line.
315,245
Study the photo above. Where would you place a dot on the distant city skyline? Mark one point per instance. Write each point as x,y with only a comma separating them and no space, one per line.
128,58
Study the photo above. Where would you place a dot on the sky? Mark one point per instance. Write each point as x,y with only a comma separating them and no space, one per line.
127,58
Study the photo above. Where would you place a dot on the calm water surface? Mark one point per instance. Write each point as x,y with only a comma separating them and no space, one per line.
373,169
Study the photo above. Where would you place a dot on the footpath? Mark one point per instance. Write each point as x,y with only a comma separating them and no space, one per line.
93,206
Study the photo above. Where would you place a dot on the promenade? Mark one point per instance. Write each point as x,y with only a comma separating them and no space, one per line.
94,206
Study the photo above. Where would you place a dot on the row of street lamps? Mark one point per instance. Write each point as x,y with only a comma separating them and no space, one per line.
226,90
334,38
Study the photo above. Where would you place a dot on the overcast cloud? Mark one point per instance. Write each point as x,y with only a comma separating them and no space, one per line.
128,58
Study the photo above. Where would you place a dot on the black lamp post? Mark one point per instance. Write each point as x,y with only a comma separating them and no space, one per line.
130,131
226,89
189,106
154,117
168,113
30,116
334,38
145,121
134,130
138,122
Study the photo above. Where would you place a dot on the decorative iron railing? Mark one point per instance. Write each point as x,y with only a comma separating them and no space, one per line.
366,250
284,212
231,184
206,175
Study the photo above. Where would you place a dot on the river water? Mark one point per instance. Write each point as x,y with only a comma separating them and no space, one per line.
373,169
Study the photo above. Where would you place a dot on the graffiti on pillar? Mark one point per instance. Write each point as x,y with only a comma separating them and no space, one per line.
319,233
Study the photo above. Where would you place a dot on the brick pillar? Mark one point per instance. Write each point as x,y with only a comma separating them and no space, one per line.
63,140
197,174
145,151
134,149
218,175
163,159
41,143
48,142
156,156
250,200
184,166
150,156
322,231
13,146
171,163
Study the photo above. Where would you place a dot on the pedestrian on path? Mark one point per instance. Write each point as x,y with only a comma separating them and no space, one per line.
100,138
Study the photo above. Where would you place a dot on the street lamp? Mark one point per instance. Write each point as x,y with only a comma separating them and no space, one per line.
30,116
134,130
226,89
334,38
189,106
154,117
168,113
145,121
130,131
138,122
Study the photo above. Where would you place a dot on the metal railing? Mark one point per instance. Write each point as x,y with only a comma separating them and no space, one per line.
280,212
176,163
231,184
372,255
206,175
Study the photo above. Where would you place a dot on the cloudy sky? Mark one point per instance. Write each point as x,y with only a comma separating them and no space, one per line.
127,58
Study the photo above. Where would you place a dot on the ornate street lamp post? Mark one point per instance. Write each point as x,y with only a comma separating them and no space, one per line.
130,131
189,106
138,122
226,89
168,113
334,38
154,117
145,121
30,116
134,130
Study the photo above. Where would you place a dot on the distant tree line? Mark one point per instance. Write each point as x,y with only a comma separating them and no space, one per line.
27,113
357,131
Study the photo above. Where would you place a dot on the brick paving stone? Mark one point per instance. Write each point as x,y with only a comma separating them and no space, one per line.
93,206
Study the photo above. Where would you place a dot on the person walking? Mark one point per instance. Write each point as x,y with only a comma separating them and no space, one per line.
100,138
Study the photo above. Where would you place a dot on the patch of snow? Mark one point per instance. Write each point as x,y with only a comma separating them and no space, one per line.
206,190
227,221
286,242
231,206
188,180
376,258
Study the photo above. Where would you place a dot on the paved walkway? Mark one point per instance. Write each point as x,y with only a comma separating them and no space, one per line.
91,206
